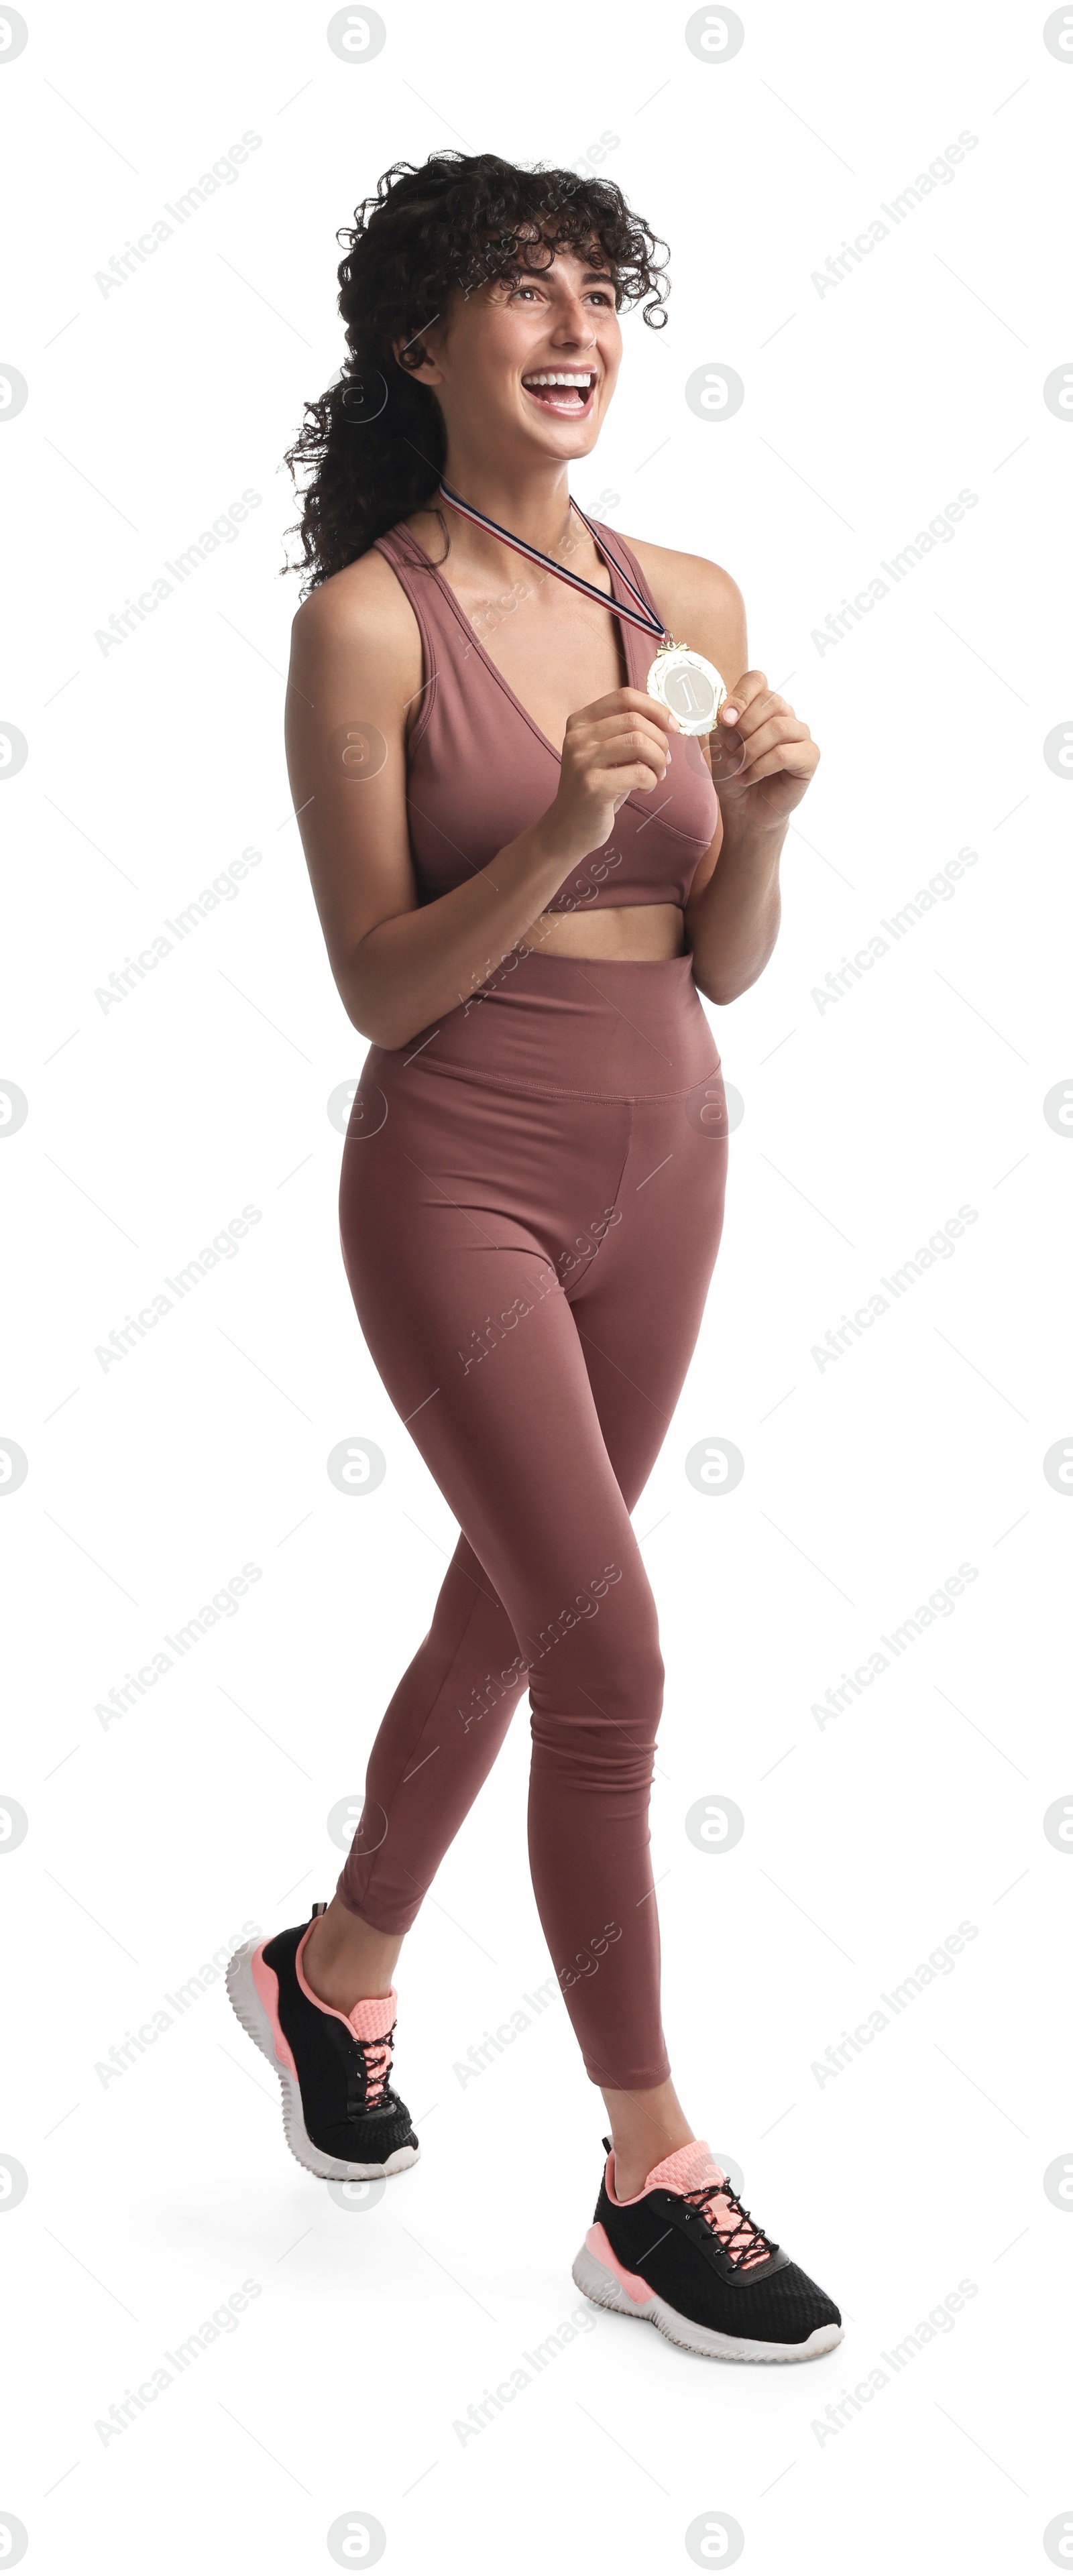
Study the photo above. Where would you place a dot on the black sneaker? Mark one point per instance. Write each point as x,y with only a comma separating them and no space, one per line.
686,2255
341,2118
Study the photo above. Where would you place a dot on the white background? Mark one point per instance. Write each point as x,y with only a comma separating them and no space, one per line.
866,1125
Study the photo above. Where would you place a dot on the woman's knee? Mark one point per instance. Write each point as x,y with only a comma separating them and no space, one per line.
602,1683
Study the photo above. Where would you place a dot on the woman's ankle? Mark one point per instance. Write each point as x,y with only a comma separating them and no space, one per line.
346,1961
645,2127
632,2166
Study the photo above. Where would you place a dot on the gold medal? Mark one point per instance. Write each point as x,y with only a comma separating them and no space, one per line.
688,685
684,682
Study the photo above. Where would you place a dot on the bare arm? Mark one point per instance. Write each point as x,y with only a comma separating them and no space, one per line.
734,907
398,964
732,922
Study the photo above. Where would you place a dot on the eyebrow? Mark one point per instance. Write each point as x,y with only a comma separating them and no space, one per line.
590,276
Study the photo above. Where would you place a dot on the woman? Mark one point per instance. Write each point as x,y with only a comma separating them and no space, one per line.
513,849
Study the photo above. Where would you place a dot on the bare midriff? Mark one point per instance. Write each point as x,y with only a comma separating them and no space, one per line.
620,930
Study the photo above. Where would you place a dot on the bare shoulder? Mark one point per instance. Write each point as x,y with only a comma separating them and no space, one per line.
690,589
356,639
365,598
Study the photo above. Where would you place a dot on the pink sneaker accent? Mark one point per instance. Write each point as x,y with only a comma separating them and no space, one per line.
692,2171
267,1984
686,2170
599,2243
372,2018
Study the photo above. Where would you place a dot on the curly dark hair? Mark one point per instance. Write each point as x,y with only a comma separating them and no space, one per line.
376,440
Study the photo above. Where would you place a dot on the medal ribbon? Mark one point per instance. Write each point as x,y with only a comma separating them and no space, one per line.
639,616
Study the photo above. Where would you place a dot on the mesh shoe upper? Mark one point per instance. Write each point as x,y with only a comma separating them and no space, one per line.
348,2105
702,2253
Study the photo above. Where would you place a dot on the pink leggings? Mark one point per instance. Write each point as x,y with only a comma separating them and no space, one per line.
531,1202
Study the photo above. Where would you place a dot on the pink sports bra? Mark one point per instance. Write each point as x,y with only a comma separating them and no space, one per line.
479,770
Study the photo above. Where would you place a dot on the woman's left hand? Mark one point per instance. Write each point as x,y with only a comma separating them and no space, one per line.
782,756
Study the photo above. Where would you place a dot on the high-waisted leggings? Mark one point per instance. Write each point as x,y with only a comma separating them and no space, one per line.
531,1202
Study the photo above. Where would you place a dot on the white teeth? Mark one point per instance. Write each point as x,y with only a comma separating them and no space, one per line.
546,378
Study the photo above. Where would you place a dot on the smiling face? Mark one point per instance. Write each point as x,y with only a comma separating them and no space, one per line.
525,367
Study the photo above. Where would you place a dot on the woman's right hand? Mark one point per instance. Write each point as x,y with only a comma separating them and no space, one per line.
619,744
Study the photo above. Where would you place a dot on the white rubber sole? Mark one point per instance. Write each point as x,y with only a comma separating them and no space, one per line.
248,2008
601,2287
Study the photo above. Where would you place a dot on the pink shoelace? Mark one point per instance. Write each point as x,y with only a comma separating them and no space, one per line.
741,2239
376,2054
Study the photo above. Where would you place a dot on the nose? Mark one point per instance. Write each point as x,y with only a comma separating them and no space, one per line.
574,319
575,330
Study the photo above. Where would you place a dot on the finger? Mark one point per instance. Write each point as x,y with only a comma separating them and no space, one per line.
760,709
752,684
630,755
624,782
630,702
624,736
646,717
772,762
773,731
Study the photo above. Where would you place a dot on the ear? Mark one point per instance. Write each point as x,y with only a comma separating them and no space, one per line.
427,371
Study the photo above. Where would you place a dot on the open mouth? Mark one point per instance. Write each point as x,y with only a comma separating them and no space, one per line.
567,391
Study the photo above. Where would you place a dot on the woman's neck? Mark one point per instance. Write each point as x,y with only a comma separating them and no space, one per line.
530,504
